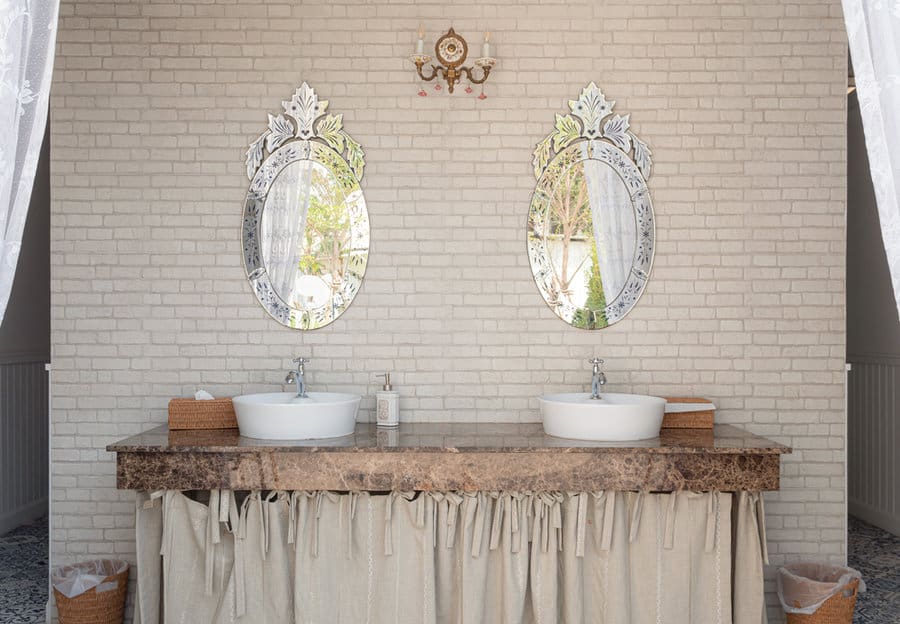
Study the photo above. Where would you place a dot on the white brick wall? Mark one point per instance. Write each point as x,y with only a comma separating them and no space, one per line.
743,104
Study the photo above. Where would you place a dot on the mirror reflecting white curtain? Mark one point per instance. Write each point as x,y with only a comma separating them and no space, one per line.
873,31
27,40
615,231
284,225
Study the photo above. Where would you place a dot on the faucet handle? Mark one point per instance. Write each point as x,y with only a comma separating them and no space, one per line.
595,361
300,361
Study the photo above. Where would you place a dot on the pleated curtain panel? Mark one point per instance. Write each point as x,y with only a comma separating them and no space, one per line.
27,41
413,558
873,32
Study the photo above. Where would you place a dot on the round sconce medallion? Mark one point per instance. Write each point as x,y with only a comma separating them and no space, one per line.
451,49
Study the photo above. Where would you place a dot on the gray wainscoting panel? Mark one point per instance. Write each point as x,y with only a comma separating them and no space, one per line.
23,440
873,439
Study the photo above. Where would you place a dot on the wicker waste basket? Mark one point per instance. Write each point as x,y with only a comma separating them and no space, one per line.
818,593
92,592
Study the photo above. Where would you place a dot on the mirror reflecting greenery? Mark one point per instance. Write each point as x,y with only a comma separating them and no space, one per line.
312,234
306,227
590,225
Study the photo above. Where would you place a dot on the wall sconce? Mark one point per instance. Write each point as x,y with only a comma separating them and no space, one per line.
451,51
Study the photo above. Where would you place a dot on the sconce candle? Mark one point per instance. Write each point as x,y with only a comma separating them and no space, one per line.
420,44
451,51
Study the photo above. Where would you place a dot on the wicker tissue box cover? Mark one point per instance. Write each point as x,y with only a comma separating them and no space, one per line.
194,414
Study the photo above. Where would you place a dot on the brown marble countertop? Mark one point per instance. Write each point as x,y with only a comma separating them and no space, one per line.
449,456
450,438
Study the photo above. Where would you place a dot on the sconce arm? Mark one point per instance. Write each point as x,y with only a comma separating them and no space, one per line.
434,72
486,70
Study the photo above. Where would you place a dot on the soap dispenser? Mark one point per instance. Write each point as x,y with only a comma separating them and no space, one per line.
387,404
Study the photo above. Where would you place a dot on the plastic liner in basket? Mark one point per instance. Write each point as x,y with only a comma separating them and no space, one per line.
804,587
74,580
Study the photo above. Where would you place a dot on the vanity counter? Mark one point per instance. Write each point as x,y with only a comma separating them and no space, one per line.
449,456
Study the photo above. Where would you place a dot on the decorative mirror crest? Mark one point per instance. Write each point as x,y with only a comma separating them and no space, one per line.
305,108
590,227
305,225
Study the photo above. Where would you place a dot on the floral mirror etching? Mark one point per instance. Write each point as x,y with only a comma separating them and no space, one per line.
591,230
305,226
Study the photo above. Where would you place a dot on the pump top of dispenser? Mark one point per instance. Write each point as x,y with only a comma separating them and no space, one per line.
387,382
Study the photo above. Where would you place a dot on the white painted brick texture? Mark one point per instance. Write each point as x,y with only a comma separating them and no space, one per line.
743,104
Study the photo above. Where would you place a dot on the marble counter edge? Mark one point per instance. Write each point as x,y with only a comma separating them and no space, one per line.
450,456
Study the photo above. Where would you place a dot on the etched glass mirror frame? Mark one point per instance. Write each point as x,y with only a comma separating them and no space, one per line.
305,137
591,132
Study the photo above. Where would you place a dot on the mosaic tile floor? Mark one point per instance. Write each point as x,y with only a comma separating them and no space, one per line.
876,554
23,575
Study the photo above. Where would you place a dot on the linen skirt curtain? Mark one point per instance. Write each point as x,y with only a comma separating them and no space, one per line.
505,557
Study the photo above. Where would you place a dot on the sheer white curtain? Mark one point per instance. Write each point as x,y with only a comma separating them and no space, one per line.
27,40
615,230
873,29
283,226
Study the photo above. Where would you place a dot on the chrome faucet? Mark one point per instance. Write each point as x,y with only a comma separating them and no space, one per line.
297,376
598,380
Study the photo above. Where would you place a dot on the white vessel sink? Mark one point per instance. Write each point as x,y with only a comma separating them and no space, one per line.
283,416
612,418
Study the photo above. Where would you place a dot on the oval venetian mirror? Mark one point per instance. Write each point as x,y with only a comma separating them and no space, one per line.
590,225
305,228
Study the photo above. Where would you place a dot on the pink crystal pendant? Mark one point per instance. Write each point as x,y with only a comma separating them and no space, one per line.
469,89
422,93
437,87
482,96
